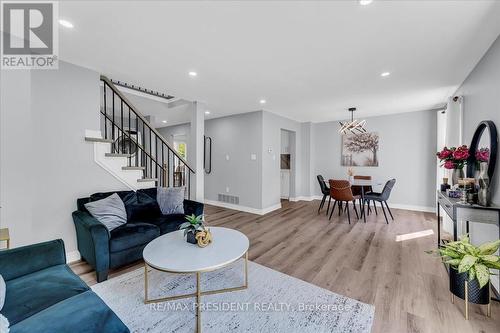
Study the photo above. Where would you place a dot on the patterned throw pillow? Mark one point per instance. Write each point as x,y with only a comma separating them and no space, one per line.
171,200
109,211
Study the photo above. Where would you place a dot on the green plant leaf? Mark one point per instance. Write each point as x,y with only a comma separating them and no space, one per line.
490,258
450,253
489,248
466,263
494,265
185,225
465,239
482,274
472,273
453,262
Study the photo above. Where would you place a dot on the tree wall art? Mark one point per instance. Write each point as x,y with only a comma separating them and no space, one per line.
360,149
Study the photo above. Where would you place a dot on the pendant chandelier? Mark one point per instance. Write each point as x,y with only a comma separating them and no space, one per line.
354,126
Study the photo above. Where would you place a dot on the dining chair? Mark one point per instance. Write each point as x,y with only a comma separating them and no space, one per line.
340,192
357,190
382,198
325,190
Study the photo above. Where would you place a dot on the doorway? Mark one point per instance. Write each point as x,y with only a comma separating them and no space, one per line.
287,165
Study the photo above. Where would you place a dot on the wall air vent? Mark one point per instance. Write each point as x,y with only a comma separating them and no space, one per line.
231,199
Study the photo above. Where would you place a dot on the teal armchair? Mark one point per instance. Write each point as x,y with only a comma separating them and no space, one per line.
44,295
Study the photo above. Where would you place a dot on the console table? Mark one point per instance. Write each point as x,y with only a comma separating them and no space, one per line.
460,212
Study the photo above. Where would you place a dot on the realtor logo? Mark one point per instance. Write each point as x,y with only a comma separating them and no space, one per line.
30,35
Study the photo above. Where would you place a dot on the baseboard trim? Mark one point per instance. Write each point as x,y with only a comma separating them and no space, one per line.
243,208
73,256
413,208
391,205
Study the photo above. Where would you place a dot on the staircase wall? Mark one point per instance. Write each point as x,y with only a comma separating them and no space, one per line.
45,163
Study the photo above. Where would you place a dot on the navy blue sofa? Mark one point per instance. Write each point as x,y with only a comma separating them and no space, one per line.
105,250
44,295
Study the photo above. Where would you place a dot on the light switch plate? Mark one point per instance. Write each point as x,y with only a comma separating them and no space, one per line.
227,157
253,157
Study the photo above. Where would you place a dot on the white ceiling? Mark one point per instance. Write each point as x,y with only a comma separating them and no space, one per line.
310,60
161,111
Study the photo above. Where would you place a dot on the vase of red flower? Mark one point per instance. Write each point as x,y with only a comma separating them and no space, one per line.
483,195
454,158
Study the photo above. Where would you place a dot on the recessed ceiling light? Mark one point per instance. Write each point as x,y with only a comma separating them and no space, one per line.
193,74
262,101
365,2
164,121
207,112
66,24
384,74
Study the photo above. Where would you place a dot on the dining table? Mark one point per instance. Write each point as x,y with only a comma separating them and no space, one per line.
364,183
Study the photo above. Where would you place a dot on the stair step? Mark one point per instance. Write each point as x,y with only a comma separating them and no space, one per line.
117,155
89,139
133,168
142,180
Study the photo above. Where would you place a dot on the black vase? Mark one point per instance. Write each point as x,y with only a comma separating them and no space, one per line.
475,295
190,238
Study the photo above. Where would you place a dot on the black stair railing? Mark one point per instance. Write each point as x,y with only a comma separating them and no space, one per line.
135,138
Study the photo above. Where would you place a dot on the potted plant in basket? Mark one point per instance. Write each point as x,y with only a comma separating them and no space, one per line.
454,159
193,225
470,269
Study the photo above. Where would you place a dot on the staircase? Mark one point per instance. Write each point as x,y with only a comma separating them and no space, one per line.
131,149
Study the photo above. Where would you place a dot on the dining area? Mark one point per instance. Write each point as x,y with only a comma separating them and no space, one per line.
360,194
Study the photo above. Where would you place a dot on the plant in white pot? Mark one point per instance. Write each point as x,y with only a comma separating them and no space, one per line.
470,269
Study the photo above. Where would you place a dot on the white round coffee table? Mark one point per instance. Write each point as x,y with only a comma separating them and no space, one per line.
172,254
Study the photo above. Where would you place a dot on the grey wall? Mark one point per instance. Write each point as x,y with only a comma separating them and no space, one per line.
45,162
407,144
271,147
238,136
481,101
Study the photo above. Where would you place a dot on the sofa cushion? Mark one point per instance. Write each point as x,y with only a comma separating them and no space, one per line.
84,313
109,211
140,206
151,192
32,293
168,223
131,235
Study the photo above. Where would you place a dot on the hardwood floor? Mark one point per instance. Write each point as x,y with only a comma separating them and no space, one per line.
408,287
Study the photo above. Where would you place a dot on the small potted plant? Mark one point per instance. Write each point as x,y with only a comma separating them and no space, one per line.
454,159
470,269
193,225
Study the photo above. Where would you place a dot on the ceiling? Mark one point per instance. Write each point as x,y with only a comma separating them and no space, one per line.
162,112
310,60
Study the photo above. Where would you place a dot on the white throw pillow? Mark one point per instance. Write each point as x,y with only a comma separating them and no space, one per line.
3,290
109,211
4,324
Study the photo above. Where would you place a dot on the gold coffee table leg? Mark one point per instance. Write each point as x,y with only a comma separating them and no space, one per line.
196,294
198,303
145,283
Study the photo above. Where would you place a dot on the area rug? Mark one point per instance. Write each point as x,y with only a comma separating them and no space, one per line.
273,302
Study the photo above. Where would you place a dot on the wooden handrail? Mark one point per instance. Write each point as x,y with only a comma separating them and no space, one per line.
144,120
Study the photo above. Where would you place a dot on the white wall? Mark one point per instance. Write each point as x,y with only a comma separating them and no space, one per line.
176,131
407,152
45,162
